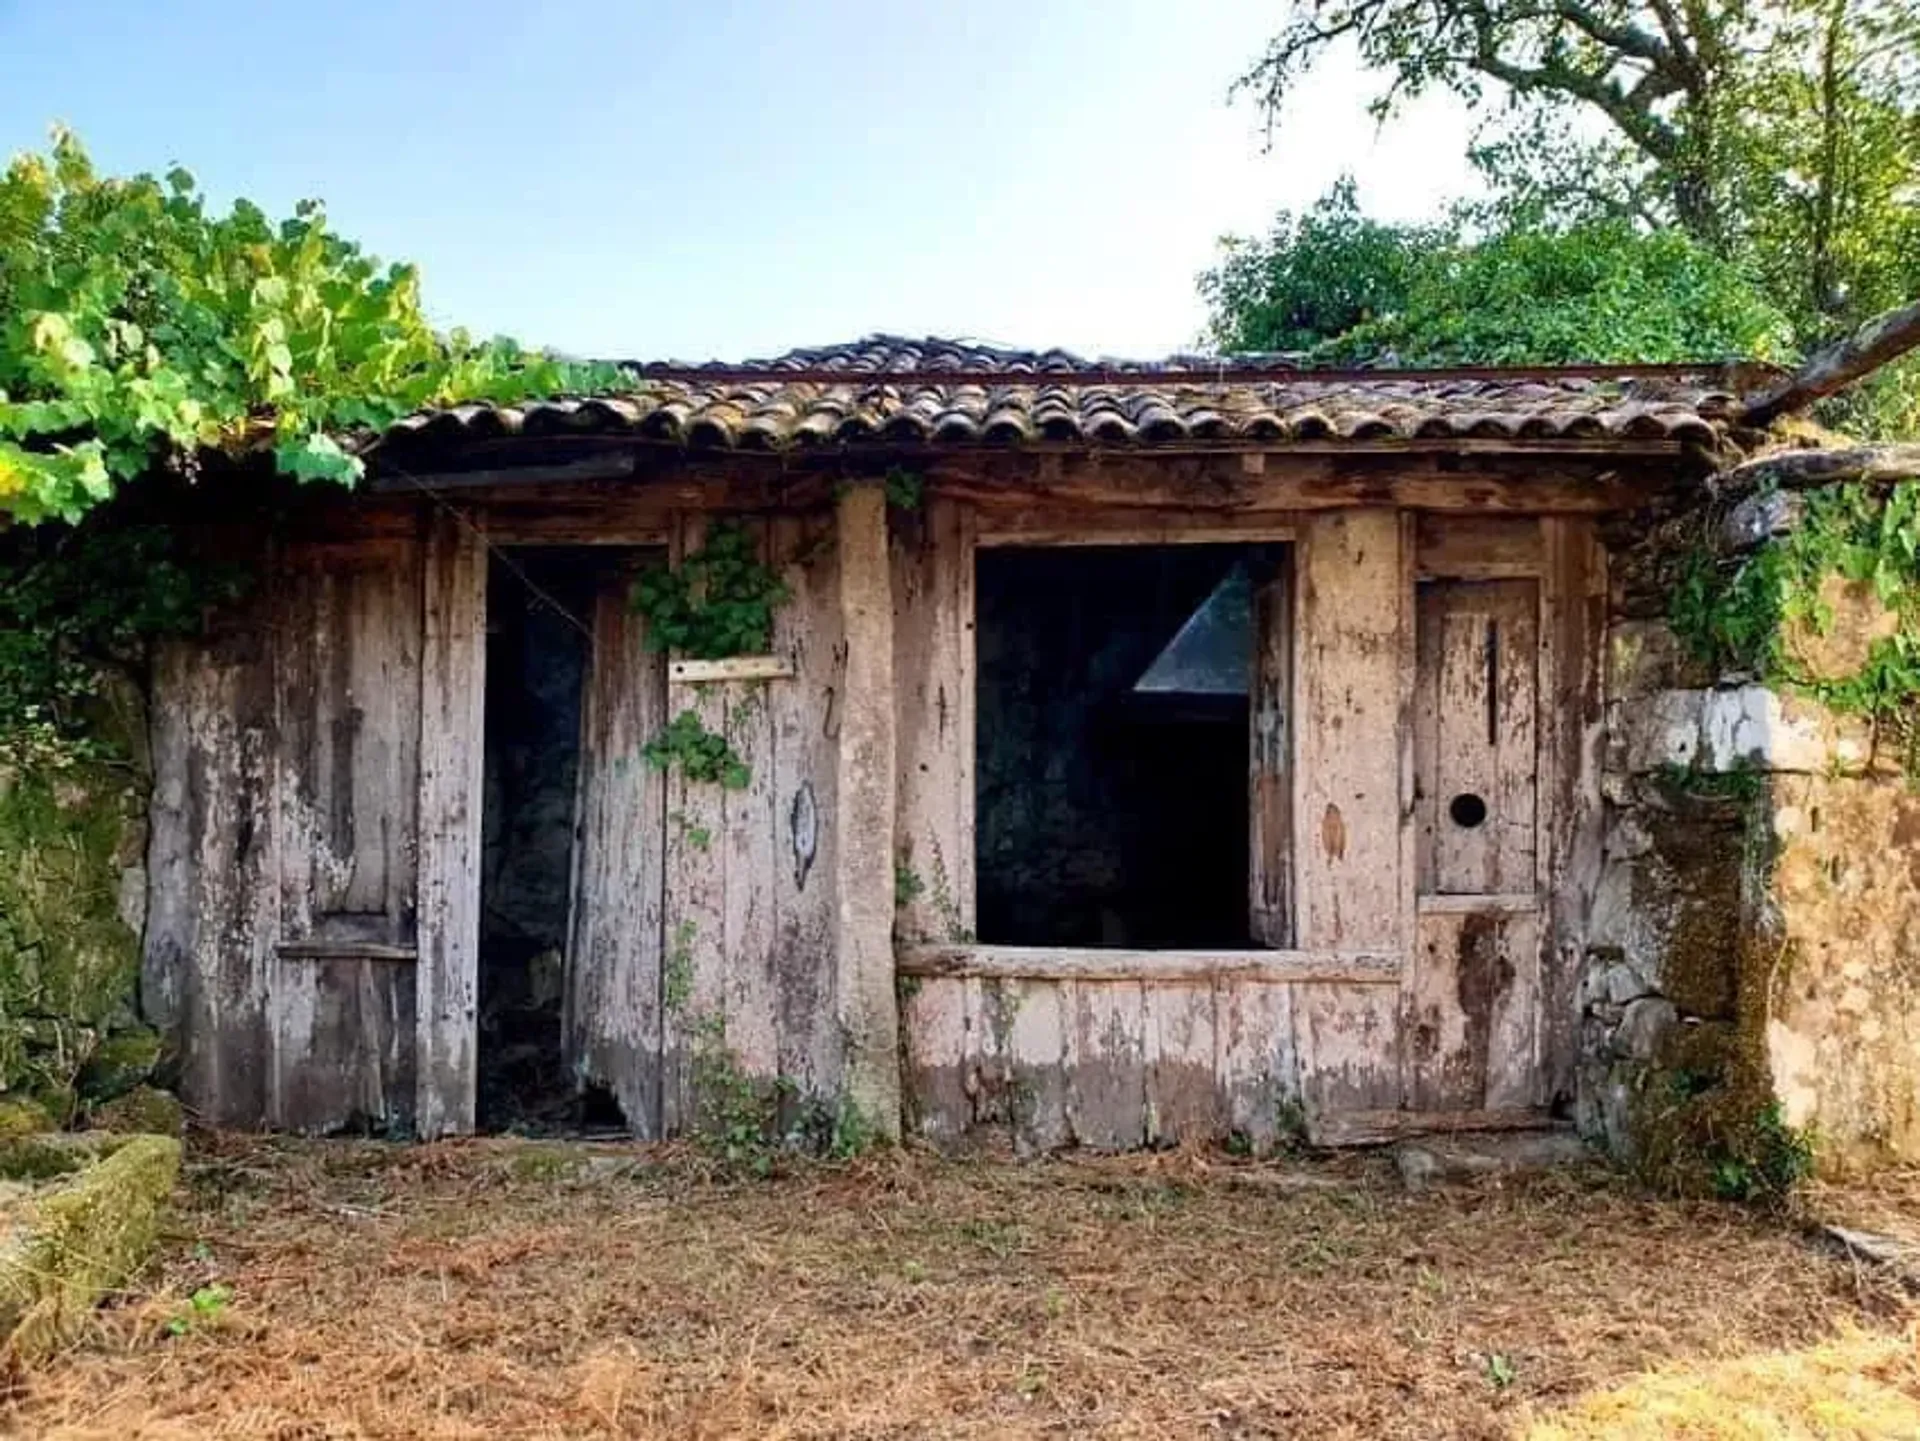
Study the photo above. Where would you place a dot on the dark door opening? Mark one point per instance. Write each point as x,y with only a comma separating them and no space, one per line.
539,646
1112,744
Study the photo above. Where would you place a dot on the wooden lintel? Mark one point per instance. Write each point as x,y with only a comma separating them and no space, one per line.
1043,525
1159,486
604,465
344,951
736,667
1383,1128
1048,963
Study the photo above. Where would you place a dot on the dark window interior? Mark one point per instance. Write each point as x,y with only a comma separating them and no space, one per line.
538,603
1112,744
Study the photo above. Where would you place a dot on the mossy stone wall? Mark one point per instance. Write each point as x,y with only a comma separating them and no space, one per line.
72,903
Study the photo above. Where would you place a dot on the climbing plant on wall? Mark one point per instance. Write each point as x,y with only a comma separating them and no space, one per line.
1743,614
718,602
138,326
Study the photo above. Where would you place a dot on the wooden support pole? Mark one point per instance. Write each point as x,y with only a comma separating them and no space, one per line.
863,877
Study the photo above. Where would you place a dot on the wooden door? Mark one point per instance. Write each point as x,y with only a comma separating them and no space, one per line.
348,632
612,1012
1474,993
1475,723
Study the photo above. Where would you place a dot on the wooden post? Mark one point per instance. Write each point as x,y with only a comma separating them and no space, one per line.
452,715
863,877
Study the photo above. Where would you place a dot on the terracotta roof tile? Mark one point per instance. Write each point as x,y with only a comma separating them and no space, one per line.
1011,397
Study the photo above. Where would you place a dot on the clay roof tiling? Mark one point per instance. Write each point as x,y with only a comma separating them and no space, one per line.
890,390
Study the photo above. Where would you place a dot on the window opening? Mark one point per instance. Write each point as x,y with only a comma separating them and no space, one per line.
1112,737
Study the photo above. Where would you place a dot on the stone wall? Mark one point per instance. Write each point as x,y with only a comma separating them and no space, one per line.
1753,972
72,905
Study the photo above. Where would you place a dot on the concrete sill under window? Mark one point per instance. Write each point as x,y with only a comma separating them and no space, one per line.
1049,963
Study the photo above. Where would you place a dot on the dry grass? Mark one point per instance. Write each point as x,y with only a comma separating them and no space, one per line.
1863,1385
497,1289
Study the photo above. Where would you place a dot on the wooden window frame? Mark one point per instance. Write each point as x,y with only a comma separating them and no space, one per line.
1279,963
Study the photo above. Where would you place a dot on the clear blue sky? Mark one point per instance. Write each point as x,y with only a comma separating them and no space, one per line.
704,179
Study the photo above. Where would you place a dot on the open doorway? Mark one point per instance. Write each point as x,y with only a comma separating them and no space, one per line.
1113,744
539,647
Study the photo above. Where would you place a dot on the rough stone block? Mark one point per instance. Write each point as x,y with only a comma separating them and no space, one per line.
119,1064
143,1109
77,1238
1664,730
1644,1026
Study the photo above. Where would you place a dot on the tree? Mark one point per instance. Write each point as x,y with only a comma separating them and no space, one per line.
137,328
1315,277
1343,289
1785,132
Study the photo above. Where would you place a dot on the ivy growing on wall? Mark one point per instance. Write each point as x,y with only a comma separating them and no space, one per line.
718,602
1742,615
701,755
80,601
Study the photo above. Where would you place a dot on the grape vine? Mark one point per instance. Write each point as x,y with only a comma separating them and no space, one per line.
138,328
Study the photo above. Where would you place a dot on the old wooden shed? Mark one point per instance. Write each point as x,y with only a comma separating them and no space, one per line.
1142,752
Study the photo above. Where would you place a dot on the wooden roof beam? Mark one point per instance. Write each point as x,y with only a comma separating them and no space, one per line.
1881,340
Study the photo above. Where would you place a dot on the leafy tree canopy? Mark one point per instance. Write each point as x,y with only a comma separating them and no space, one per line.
137,326
1341,288
1782,135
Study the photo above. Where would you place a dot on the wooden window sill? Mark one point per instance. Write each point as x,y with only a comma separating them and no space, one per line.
1048,963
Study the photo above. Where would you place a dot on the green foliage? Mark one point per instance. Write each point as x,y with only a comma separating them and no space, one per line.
1764,1162
701,755
1315,277
718,603
1600,291
907,885
204,1306
676,982
1742,783
1341,289
1737,615
137,328
79,600
1783,137
905,489
750,1124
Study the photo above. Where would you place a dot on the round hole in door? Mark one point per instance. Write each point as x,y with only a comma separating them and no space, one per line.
1467,810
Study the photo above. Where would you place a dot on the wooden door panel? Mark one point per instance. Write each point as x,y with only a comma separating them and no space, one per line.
612,1022
347,643
1475,724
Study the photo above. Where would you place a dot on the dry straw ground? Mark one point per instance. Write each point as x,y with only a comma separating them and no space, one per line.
509,1289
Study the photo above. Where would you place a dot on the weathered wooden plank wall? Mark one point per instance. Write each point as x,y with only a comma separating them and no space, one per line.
933,677
867,791
1351,726
452,719
1572,826
1108,1064
213,898
611,1011
748,942
1464,1026
347,676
